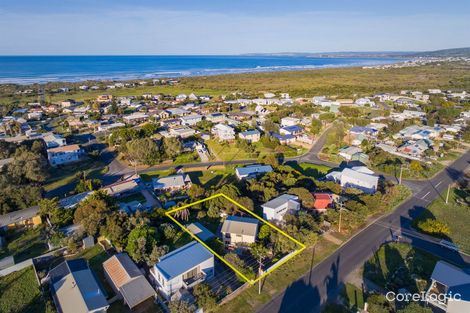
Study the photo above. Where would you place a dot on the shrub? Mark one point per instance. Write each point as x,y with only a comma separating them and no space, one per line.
433,227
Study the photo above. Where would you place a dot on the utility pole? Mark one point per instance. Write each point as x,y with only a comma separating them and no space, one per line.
260,272
448,192
401,174
340,203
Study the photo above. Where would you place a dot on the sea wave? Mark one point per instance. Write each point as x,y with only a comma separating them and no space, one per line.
146,74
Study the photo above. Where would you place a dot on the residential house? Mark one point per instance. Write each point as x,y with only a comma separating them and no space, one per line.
284,139
223,132
177,112
120,188
357,178
323,201
252,171
200,231
54,140
239,230
415,148
191,120
64,154
291,130
349,152
275,209
289,121
104,98
450,288
215,117
183,268
135,118
25,217
172,183
127,281
170,123
182,132
250,135
75,289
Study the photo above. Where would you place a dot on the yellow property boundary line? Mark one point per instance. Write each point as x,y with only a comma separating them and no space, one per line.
251,281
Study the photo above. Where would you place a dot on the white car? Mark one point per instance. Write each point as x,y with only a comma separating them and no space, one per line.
449,245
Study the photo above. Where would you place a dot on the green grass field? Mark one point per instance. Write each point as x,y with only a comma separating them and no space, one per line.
455,215
24,244
19,292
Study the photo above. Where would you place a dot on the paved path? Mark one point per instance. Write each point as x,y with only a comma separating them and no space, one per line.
325,281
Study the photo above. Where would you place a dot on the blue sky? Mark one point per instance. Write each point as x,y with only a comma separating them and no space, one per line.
80,27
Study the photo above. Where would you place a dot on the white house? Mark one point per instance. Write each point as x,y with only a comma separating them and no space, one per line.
276,208
447,280
223,132
239,230
172,183
250,135
356,178
183,268
289,121
191,120
251,171
348,152
135,118
64,154
54,140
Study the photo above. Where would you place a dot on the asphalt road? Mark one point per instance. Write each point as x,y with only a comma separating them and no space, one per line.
324,282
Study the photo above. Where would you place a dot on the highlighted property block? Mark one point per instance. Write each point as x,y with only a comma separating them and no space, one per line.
265,273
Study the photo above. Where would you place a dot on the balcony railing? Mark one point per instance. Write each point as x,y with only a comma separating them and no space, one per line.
194,280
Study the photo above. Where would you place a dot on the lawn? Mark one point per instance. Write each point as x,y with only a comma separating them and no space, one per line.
395,265
188,157
309,169
354,297
24,244
19,292
65,175
147,176
455,215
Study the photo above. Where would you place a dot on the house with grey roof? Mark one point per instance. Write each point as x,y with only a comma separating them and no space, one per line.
183,268
355,178
200,231
239,230
446,280
252,171
75,289
172,183
275,209
127,280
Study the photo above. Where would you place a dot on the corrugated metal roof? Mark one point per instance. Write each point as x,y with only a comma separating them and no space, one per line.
240,225
182,260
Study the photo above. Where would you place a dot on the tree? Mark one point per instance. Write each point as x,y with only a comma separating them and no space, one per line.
179,306
57,216
117,228
196,191
143,150
270,159
27,166
246,202
149,129
141,242
416,166
414,307
91,214
315,126
172,147
205,297
304,195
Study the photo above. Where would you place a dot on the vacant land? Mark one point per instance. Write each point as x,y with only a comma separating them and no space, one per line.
396,265
309,169
455,214
340,81
19,292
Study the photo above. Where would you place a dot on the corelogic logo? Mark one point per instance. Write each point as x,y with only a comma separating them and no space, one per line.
421,296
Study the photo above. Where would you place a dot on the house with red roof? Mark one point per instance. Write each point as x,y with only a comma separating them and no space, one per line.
322,201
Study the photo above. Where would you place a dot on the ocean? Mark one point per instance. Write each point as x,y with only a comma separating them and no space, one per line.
40,69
